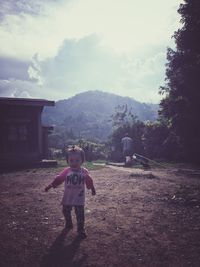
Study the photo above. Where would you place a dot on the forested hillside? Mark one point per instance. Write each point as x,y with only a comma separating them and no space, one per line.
88,114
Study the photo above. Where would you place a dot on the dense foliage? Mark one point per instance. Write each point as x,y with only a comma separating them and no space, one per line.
181,106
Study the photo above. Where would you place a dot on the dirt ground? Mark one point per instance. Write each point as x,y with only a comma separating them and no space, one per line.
138,218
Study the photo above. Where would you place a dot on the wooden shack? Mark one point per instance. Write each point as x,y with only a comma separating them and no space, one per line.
23,139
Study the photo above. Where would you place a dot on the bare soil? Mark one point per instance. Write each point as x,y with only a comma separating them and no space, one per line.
138,218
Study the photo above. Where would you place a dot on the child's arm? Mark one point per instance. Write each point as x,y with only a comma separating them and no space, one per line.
58,180
89,182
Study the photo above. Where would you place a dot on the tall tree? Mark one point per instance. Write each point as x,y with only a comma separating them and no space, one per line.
181,105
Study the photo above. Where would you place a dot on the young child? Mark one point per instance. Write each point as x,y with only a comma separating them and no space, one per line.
75,178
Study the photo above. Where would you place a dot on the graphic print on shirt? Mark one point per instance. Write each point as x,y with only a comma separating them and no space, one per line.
75,179
74,193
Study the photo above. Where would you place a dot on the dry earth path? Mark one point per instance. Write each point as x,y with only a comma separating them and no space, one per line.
138,218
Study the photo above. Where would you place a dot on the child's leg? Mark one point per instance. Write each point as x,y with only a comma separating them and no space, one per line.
80,217
67,214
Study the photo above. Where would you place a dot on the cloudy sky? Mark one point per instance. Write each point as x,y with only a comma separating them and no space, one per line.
56,48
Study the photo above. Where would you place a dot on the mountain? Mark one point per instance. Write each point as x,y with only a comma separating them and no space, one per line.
88,114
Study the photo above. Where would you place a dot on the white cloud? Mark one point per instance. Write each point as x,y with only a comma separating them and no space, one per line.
20,88
127,58
124,25
87,65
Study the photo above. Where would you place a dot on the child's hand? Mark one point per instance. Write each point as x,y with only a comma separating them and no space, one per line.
93,191
47,188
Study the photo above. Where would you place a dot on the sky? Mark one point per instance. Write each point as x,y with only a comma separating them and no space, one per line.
55,49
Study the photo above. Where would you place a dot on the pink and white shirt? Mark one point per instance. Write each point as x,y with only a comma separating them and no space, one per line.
75,181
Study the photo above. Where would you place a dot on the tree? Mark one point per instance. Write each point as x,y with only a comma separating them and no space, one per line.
181,105
159,142
123,116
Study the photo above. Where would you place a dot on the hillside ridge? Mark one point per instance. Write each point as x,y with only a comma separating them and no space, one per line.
89,113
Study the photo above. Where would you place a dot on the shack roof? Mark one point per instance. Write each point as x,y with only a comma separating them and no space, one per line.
25,101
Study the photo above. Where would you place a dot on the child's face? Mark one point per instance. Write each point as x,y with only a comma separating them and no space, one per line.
74,160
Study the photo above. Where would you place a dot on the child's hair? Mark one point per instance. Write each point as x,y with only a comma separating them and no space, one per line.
75,149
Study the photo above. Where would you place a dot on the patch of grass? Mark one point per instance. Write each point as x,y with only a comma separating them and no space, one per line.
101,161
62,163
90,166
87,164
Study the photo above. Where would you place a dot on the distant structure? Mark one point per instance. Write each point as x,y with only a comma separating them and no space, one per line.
23,139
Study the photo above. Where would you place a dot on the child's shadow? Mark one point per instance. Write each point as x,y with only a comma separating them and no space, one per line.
61,255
